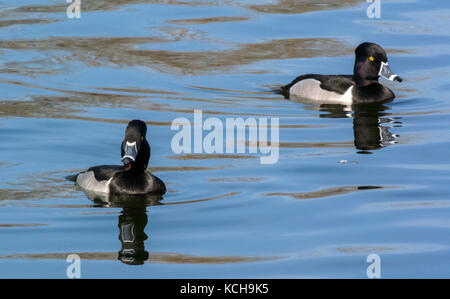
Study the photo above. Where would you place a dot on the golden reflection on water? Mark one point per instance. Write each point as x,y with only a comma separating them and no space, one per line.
7,225
154,257
334,191
207,20
6,23
122,52
39,186
302,6
276,6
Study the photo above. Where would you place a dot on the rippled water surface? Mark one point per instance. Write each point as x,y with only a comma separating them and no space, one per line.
348,182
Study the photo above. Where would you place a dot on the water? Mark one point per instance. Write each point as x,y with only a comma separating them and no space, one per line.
348,183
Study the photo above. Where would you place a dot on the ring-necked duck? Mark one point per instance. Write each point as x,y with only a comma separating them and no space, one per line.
370,63
130,179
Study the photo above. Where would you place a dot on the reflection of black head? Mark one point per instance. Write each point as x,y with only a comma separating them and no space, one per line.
368,130
135,150
132,222
369,133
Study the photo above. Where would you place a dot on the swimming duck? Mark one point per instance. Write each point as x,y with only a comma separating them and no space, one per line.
362,87
130,179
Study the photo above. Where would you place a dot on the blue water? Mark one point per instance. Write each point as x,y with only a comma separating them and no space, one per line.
348,183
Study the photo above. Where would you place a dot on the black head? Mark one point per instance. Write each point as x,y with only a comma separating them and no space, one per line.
135,149
371,62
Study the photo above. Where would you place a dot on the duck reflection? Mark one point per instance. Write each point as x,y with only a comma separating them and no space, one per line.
371,124
371,129
132,222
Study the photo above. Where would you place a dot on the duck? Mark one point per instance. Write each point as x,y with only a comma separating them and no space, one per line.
371,63
131,178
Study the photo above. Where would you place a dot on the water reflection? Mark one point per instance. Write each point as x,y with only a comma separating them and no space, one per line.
126,52
371,124
301,6
371,130
132,222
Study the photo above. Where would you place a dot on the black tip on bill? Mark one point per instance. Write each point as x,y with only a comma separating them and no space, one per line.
127,163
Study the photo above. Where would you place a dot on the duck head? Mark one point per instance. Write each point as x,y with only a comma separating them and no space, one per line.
135,149
371,63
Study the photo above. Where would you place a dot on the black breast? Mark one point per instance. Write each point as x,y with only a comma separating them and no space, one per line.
373,93
132,183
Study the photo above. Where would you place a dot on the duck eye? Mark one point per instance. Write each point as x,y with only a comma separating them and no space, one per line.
371,58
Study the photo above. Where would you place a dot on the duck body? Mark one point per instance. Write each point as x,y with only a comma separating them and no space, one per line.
115,180
340,89
132,178
361,87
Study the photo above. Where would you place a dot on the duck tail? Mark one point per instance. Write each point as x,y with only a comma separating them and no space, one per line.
281,90
72,178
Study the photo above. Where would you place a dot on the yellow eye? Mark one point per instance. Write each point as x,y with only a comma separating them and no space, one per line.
142,138
371,58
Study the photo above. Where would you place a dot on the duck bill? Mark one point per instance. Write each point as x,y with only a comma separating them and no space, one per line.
130,153
386,73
